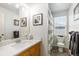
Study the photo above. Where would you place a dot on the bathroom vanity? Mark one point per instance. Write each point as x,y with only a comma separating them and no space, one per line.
32,51
23,48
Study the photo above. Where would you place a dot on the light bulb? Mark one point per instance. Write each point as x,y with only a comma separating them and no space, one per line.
17,5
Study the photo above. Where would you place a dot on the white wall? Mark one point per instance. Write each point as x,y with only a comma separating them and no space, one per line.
61,13
9,27
73,25
38,32
41,31
24,12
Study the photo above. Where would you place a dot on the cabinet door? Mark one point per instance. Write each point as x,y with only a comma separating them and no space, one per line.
35,50
25,53
32,51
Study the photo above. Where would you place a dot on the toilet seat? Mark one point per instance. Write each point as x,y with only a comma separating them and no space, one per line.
60,44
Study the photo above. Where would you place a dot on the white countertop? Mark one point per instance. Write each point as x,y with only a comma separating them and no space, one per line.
15,48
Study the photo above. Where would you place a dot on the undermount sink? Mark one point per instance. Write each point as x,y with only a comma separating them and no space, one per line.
17,45
22,43
5,42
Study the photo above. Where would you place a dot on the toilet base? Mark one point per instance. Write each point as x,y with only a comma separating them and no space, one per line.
60,49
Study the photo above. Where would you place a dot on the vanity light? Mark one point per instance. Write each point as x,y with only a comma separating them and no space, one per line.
17,5
21,4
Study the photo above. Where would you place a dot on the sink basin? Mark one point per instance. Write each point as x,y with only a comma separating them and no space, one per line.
18,45
21,44
5,42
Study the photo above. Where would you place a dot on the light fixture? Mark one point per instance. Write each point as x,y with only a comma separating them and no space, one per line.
17,5
22,4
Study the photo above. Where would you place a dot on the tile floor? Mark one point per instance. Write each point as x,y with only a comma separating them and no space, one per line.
55,52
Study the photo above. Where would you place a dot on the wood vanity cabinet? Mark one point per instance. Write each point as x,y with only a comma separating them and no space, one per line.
24,53
35,50
32,51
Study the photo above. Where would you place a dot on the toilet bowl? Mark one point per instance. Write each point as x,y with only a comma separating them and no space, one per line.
60,44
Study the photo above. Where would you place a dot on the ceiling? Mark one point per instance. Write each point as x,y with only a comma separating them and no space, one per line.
58,7
10,6
55,7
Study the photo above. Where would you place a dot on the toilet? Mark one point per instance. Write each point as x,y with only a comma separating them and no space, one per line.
60,43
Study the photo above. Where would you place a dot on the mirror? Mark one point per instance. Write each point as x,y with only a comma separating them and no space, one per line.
12,23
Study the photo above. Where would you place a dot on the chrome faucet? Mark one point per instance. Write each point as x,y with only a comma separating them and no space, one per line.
30,37
18,41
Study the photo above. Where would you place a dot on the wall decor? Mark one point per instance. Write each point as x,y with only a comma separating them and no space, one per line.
16,22
23,21
76,12
38,19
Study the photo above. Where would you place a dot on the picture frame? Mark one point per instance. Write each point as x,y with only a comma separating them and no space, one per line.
76,12
23,21
16,22
38,19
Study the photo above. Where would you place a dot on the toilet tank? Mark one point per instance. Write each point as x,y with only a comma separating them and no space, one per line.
60,38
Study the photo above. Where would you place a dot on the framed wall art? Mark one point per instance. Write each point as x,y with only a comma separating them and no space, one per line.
16,22
76,12
38,19
23,21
